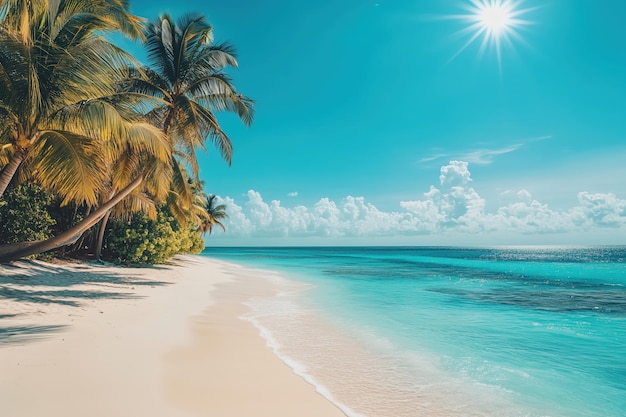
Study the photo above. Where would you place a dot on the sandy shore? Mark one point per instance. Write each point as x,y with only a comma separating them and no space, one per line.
86,340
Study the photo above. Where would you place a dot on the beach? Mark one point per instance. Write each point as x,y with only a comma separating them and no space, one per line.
82,339
353,331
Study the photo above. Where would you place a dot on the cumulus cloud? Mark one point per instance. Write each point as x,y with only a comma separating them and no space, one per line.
456,173
452,206
293,194
524,195
604,210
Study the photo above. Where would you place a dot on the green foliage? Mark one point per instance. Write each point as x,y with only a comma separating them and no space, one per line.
79,120
24,214
146,241
195,243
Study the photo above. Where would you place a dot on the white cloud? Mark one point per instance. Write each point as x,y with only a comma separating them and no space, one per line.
529,217
454,206
604,210
293,194
455,173
259,212
238,222
433,157
524,195
486,156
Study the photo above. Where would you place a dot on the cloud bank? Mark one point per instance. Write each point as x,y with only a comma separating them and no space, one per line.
452,206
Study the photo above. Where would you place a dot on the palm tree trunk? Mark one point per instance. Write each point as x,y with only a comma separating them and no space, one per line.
103,226
79,243
6,175
70,236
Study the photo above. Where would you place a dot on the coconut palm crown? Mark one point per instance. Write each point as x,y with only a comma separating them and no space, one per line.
57,76
187,73
214,215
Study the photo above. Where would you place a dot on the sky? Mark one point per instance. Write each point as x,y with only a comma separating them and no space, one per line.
396,122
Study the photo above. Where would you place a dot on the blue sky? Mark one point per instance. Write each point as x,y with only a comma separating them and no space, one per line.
374,126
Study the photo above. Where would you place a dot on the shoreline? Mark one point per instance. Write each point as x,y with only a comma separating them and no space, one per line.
79,339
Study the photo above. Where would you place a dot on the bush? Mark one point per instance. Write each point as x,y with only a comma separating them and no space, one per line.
24,214
146,241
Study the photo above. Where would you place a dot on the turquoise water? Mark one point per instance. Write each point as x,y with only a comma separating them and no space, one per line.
450,331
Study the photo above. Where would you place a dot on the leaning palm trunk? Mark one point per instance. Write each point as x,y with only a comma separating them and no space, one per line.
19,250
6,175
80,241
101,230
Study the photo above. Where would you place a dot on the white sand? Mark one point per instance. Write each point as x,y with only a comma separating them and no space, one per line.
89,340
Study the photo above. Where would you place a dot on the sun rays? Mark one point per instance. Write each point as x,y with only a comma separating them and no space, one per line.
493,23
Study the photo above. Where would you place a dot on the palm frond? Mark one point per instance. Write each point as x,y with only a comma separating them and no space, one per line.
159,46
148,82
179,213
101,119
158,177
149,139
218,57
216,93
239,104
180,185
95,15
6,151
134,105
135,202
13,65
215,133
209,83
130,25
123,168
187,156
69,164
188,28
188,127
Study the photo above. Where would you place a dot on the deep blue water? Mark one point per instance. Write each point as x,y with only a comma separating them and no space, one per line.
454,331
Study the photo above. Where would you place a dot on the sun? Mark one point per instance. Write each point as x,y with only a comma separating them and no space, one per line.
493,23
495,18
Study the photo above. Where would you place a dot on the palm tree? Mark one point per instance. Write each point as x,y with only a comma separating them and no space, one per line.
187,74
55,63
61,111
125,163
213,215
189,82
203,213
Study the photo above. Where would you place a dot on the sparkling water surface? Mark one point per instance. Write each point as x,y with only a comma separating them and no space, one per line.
450,331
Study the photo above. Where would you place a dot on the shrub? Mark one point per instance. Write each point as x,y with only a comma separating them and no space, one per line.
146,241
24,214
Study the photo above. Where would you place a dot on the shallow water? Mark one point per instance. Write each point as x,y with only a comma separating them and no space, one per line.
450,331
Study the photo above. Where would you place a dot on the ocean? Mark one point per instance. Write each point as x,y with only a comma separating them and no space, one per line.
442,331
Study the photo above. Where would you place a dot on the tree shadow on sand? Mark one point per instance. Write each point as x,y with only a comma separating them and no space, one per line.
65,297
37,273
22,334
40,283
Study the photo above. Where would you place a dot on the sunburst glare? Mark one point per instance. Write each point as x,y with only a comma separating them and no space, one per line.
492,23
